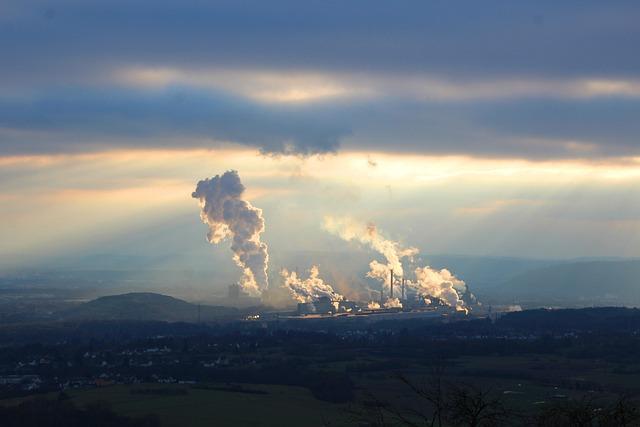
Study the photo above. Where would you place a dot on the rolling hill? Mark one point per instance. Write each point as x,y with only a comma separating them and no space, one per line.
581,283
145,306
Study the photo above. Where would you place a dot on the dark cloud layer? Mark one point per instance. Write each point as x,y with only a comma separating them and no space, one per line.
535,128
74,119
459,38
606,123
58,59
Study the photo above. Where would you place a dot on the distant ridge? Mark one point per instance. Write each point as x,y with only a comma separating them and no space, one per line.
583,319
145,306
583,283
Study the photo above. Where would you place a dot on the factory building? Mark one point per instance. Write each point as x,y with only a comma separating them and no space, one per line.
348,307
324,305
305,308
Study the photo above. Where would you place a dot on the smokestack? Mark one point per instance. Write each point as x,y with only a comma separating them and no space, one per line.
382,295
403,289
391,285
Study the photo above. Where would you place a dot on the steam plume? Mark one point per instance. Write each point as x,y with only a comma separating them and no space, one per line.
429,283
351,230
439,284
392,303
309,289
228,216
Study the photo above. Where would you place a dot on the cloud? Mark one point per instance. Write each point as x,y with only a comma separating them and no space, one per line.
462,39
582,208
282,86
493,206
265,86
532,80
533,128
91,119
79,118
605,126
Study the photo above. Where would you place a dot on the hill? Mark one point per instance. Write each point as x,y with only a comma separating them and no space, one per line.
607,319
579,283
145,306
485,272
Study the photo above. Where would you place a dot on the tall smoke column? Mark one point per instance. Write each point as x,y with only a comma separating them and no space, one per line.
309,289
368,234
227,215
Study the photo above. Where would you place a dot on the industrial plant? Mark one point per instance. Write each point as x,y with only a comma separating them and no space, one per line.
324,306
422,290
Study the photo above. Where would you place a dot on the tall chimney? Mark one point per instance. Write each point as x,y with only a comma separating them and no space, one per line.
391,285
403,289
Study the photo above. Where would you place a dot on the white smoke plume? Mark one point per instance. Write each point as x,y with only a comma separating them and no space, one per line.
373,306
229,216
440,284
428,284
367,234
392,303
309,289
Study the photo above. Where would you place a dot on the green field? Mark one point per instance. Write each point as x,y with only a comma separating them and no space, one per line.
184,405
525,383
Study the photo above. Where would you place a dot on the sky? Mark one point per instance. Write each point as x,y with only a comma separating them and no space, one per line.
494,128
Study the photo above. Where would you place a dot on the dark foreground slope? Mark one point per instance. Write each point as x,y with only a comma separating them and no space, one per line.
307,371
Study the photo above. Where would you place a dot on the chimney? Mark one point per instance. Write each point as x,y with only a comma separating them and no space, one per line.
382,296
403,289
391,285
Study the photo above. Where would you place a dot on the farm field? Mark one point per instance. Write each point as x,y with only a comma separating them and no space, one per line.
178,405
